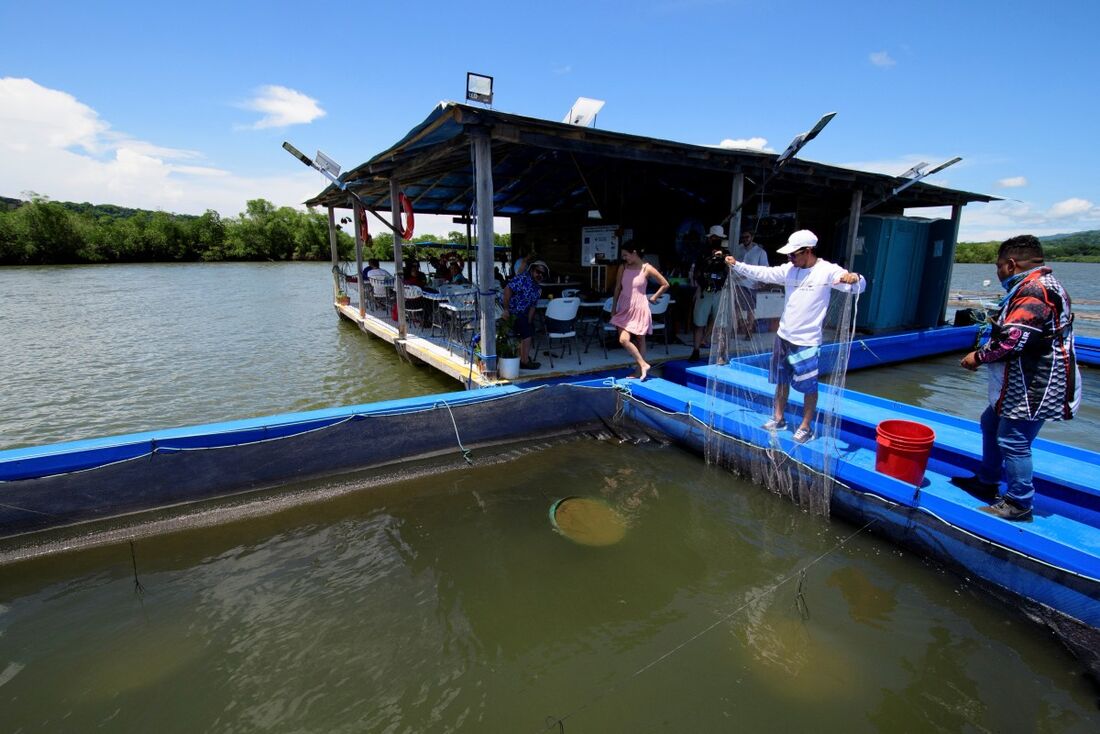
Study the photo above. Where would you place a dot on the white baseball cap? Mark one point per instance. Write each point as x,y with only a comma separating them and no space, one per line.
798,240
717,231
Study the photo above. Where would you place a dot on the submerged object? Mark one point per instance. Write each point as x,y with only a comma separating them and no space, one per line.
588,521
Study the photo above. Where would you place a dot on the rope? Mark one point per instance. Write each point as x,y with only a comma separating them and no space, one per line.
465,451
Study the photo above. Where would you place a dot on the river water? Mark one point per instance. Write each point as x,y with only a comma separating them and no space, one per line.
447,603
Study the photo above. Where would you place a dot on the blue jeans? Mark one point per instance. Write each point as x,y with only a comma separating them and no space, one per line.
1006,442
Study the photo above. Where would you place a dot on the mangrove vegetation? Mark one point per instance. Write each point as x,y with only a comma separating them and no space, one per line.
44,232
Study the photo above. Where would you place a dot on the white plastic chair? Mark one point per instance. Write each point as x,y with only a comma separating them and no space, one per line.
414,304
561,324
659,311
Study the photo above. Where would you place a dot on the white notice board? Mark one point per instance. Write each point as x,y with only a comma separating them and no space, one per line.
600,244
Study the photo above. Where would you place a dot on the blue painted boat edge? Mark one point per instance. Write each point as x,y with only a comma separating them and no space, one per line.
1087,349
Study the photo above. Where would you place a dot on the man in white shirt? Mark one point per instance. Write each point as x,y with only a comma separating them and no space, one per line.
808,281
751,254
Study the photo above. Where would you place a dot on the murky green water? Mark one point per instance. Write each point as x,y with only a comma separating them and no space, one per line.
449,604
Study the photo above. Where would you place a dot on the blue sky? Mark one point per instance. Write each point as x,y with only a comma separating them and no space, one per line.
183,107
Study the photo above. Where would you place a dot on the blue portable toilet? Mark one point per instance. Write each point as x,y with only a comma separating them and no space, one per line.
891,254
936,282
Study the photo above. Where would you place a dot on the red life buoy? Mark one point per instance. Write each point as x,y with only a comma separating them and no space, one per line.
407,207
364,232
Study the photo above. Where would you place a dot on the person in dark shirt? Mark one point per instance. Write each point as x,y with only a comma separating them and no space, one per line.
1033,376
710,278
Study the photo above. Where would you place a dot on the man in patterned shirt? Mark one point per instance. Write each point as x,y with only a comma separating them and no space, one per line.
1033,376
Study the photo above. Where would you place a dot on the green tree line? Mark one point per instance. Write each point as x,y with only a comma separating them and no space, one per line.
44,232
1078,247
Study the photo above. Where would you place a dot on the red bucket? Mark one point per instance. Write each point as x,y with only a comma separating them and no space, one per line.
903,450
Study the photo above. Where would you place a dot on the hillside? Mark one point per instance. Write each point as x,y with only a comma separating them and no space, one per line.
1072,247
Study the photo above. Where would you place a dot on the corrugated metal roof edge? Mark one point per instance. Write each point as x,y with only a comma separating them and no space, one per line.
455,111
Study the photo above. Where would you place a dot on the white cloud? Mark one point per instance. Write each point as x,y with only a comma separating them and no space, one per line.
882,59
1014,182
567,68
1071,208
282,107
55,145
756,143
999,220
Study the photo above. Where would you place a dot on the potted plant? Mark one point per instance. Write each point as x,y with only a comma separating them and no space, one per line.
507,349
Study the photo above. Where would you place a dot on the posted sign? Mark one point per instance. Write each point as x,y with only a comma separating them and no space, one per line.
599,244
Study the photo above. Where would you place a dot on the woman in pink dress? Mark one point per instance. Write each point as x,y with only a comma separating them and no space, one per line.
631,313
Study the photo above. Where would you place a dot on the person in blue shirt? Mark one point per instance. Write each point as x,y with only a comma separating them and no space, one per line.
521,295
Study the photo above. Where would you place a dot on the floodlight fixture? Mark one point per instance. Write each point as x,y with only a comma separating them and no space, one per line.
479,88
297,154
944,165
802,138
584,111
594,214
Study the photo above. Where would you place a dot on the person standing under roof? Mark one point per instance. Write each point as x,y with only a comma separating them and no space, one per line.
710,278
751,254
808,281
1033,376
632,315
521,295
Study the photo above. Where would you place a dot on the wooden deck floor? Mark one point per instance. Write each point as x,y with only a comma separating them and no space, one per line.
435,352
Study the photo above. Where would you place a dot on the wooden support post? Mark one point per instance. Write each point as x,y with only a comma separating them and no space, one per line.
736,200
949,251
335,252
398,279
356,214
853,229
483,165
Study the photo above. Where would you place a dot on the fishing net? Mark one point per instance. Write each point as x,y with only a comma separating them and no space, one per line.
740,397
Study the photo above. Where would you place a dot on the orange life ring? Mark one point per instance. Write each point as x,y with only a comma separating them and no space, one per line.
407,207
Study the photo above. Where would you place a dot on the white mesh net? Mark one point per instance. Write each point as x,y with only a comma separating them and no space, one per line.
741,397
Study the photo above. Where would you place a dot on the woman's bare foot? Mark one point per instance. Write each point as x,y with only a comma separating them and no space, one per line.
645,371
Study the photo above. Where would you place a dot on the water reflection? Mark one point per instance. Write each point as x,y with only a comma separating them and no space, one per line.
868,603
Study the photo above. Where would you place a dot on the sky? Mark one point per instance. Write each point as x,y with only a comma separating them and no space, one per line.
183,107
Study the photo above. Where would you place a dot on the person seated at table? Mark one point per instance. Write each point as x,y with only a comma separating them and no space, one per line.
374,270
521,295
454,274
412,275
